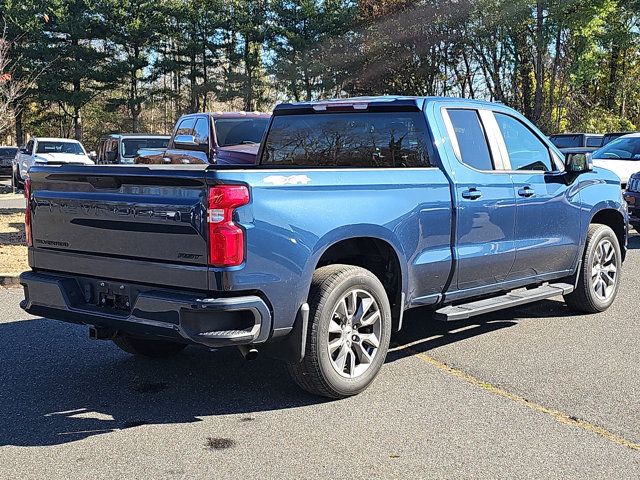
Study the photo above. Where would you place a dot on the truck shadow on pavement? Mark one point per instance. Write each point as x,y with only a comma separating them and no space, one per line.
57,386
420,333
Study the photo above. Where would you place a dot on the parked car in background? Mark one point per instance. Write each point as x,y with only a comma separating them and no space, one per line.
7,154
632,196
358,210
220,138
577,142
609,137
47,151
123,148
621,156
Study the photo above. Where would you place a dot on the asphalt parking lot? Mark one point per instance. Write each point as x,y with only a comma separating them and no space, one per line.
534,392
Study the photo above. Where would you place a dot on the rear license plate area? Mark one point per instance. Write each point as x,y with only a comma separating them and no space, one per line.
113,296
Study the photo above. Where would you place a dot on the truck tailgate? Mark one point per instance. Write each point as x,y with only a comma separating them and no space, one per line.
137,222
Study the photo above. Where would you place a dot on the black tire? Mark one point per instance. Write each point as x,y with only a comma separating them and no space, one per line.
316,373
16,182
148,347
585,298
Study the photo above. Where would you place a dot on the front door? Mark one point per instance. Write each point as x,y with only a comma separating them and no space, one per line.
198,126
548,212
485,199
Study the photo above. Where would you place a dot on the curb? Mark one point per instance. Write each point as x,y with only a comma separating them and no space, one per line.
9,280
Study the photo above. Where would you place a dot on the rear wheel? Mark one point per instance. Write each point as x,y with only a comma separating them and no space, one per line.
348,335
148,347
599,278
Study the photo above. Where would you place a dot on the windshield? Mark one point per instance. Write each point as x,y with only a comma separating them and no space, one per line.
131,146
236,131
60,147
8,152
620,149
566,141
609,137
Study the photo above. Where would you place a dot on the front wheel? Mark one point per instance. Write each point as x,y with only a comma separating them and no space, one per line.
348,335
599,275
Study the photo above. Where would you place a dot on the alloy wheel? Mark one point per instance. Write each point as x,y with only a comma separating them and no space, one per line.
604,270
354,333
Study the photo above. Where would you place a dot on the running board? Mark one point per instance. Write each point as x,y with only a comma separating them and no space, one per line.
452,313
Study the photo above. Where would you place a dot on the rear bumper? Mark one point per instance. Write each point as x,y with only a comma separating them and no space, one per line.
141,310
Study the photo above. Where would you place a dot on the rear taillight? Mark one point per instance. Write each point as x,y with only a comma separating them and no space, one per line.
27,212
226,239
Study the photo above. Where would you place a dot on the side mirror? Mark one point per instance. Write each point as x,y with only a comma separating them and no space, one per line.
188,142
578,163
93,155
23,149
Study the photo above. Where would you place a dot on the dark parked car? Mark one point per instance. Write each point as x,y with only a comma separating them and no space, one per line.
221,138
356,211
632,196
123,148
577,142
7,154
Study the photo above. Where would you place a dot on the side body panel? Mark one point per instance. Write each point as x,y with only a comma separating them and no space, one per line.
484,248
548,225
296,214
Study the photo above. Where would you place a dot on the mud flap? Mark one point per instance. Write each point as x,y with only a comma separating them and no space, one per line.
291,348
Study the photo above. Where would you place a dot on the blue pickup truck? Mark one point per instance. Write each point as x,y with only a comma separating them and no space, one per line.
358,210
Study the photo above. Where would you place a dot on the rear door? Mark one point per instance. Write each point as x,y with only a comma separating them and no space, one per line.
485,199
548,210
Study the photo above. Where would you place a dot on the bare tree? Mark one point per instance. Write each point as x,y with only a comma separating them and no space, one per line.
11,88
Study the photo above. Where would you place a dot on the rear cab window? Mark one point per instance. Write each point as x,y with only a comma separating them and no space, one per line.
130,146
239,131
366,139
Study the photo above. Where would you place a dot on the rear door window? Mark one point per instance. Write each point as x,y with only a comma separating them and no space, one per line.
362,140
471,139
201,131
186,126
526,151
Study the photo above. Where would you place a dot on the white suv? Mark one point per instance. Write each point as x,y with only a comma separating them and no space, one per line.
48,151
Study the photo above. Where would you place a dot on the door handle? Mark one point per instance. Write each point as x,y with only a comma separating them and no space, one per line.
472,194
526,192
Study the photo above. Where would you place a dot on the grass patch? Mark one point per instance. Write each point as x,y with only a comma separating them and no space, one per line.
13,248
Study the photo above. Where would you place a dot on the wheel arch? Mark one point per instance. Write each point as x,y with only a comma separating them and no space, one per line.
377,251
614,219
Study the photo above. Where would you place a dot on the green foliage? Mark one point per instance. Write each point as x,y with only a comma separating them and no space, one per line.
104,65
